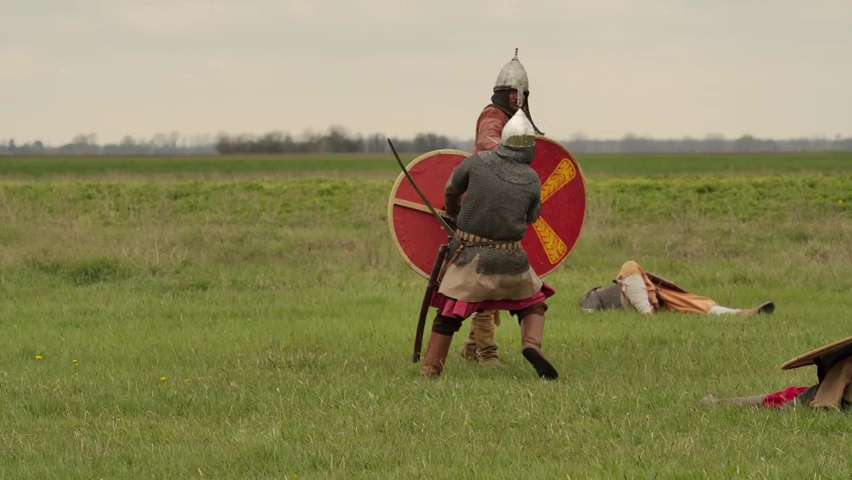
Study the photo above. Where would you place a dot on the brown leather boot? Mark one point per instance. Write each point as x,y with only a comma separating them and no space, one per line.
436,355
486,349
766,307
532,329
468,351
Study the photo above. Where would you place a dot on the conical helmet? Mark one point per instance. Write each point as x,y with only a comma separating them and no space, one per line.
513,76
519,131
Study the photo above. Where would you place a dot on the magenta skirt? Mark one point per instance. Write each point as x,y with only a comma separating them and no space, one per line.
450,307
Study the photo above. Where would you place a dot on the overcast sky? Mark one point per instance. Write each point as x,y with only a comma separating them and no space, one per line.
662,68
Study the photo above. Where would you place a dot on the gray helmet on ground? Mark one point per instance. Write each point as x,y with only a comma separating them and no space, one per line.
513,76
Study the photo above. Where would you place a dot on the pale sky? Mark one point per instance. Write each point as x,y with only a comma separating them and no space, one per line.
663,68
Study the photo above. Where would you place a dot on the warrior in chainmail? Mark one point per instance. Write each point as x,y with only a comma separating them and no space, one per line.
511,91
487,268
641,291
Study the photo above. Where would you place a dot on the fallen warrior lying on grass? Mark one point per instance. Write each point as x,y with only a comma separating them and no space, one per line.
487,268
834,381
647,293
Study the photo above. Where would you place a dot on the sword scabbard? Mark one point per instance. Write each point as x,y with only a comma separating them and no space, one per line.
427,298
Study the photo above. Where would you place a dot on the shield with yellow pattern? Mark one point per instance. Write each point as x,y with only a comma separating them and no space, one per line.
548,242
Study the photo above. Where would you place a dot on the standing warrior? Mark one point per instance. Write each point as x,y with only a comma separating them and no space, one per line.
511,90
488,269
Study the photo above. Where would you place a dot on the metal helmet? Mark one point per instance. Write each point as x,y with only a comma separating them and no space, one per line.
513,76
519,131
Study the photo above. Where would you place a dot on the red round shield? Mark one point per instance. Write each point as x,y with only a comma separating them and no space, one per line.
548,242
415,231
552,237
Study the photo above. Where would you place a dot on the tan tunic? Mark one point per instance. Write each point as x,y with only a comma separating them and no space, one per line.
466,284
836,388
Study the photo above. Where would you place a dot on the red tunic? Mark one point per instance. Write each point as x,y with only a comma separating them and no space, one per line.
489,124
450,307
781,398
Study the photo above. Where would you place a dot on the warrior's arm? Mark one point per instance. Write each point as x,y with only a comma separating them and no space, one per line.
490,125
636,292
535,209
456,186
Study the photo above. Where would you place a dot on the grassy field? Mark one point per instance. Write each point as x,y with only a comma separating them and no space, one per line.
259,323
275,167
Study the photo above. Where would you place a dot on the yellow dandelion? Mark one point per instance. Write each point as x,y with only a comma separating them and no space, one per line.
75,362
38,357
647,417
840,202
163,378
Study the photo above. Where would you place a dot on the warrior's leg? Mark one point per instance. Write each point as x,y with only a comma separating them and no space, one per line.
767,307
468,351
634,291
440,339
532,329
720,310
483,328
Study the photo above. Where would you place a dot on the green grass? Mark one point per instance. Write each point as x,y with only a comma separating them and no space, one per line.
254,167
662,165
263,329
196,166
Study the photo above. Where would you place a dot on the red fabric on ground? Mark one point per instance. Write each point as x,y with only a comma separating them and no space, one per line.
451,307
779,399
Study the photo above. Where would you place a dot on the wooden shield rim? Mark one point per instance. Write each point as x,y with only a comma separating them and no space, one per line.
810,357
583,222
399,179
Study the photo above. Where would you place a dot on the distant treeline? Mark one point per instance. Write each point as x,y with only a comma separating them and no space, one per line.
338,140
709,144
160,144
